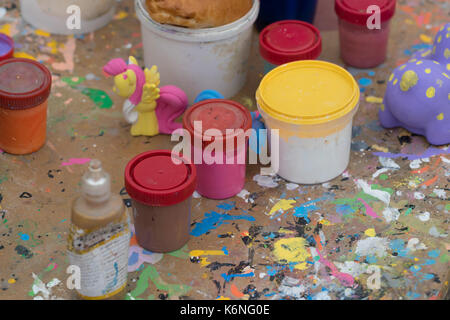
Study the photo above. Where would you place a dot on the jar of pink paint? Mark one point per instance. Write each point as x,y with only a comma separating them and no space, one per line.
361,46
220,172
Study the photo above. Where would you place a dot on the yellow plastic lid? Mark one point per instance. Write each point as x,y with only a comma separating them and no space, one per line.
308,92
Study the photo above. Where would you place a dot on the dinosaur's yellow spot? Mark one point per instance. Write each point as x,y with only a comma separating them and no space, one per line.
440,117
391,77
402,67
447,53
382,107
448,35
445,75
426,53
428,71
419,62
448,66
395,82
439,40
409,80
431,92
413,60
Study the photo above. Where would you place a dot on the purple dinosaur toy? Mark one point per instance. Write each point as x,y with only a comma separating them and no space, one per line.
418,93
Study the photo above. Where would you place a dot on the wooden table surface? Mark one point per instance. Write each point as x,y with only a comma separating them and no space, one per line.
280,241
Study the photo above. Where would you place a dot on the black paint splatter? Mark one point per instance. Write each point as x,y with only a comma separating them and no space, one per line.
26,195
24,252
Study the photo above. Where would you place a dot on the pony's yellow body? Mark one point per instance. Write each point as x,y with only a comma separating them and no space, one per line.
126,85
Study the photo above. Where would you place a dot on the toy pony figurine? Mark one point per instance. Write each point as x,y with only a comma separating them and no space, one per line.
148,108
418,93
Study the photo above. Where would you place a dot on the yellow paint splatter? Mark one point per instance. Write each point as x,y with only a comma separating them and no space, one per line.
12,281
431,92
121,15
202,253
24,55
370,232
372,99
292,250
426,38
409,80
42,33
282,205
380,148
440,117
6,29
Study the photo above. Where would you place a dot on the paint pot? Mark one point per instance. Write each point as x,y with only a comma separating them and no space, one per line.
161,192
215,57
24,89
221,170
288,41
276,10
6,47
312,104
68,17
363,46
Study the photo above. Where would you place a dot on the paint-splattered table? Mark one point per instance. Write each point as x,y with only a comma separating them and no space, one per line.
380,231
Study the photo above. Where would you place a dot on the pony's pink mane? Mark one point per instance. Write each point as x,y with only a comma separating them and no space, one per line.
118,66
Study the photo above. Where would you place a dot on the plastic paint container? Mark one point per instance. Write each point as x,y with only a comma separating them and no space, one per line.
276,10
53,16
224,178
6,47
360,46
24,89
199,59
288,41
312,104
161,193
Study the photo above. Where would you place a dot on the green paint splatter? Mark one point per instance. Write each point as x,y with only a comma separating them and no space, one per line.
444,258
73,81
354,203
408,211
378,187
151,274
3,179
99,97
384,177
182,253
447,206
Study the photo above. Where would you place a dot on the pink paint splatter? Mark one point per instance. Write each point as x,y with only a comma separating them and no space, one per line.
369,210
345,278
72,162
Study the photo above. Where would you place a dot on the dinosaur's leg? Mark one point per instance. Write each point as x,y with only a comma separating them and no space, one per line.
387,119
438,130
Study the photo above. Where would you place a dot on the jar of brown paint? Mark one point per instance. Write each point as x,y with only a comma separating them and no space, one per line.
161,185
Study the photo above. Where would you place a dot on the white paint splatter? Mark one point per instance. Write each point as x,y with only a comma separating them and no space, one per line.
379,194
322,295
265,181
196,195
424,217
290,287
391,214
419,195
355,269
435,233
379,172
375,246
440,193
291,186
415,164
388,163
415,244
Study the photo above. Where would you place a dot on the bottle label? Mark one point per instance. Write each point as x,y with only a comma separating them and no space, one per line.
102,256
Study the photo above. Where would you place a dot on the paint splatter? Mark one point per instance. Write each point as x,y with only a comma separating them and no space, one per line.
292,251
213,220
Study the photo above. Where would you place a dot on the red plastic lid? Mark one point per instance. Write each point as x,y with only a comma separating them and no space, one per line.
24,84
355,11
290,40
6,47
154,179
217,114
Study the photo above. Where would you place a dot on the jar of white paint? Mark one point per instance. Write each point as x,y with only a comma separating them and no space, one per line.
60,17
312,104
199,59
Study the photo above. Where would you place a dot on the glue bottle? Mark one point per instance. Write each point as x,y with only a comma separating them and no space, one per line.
99,238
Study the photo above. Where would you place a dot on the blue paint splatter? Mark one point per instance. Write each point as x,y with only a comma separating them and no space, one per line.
227,206
344,209
133,259
24,236
398,246
213,220
365,82
228,277
434,253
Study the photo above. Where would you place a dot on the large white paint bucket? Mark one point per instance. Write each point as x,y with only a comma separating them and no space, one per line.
199,59
52,16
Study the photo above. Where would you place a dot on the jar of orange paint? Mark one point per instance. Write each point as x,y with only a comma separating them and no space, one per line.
24,90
